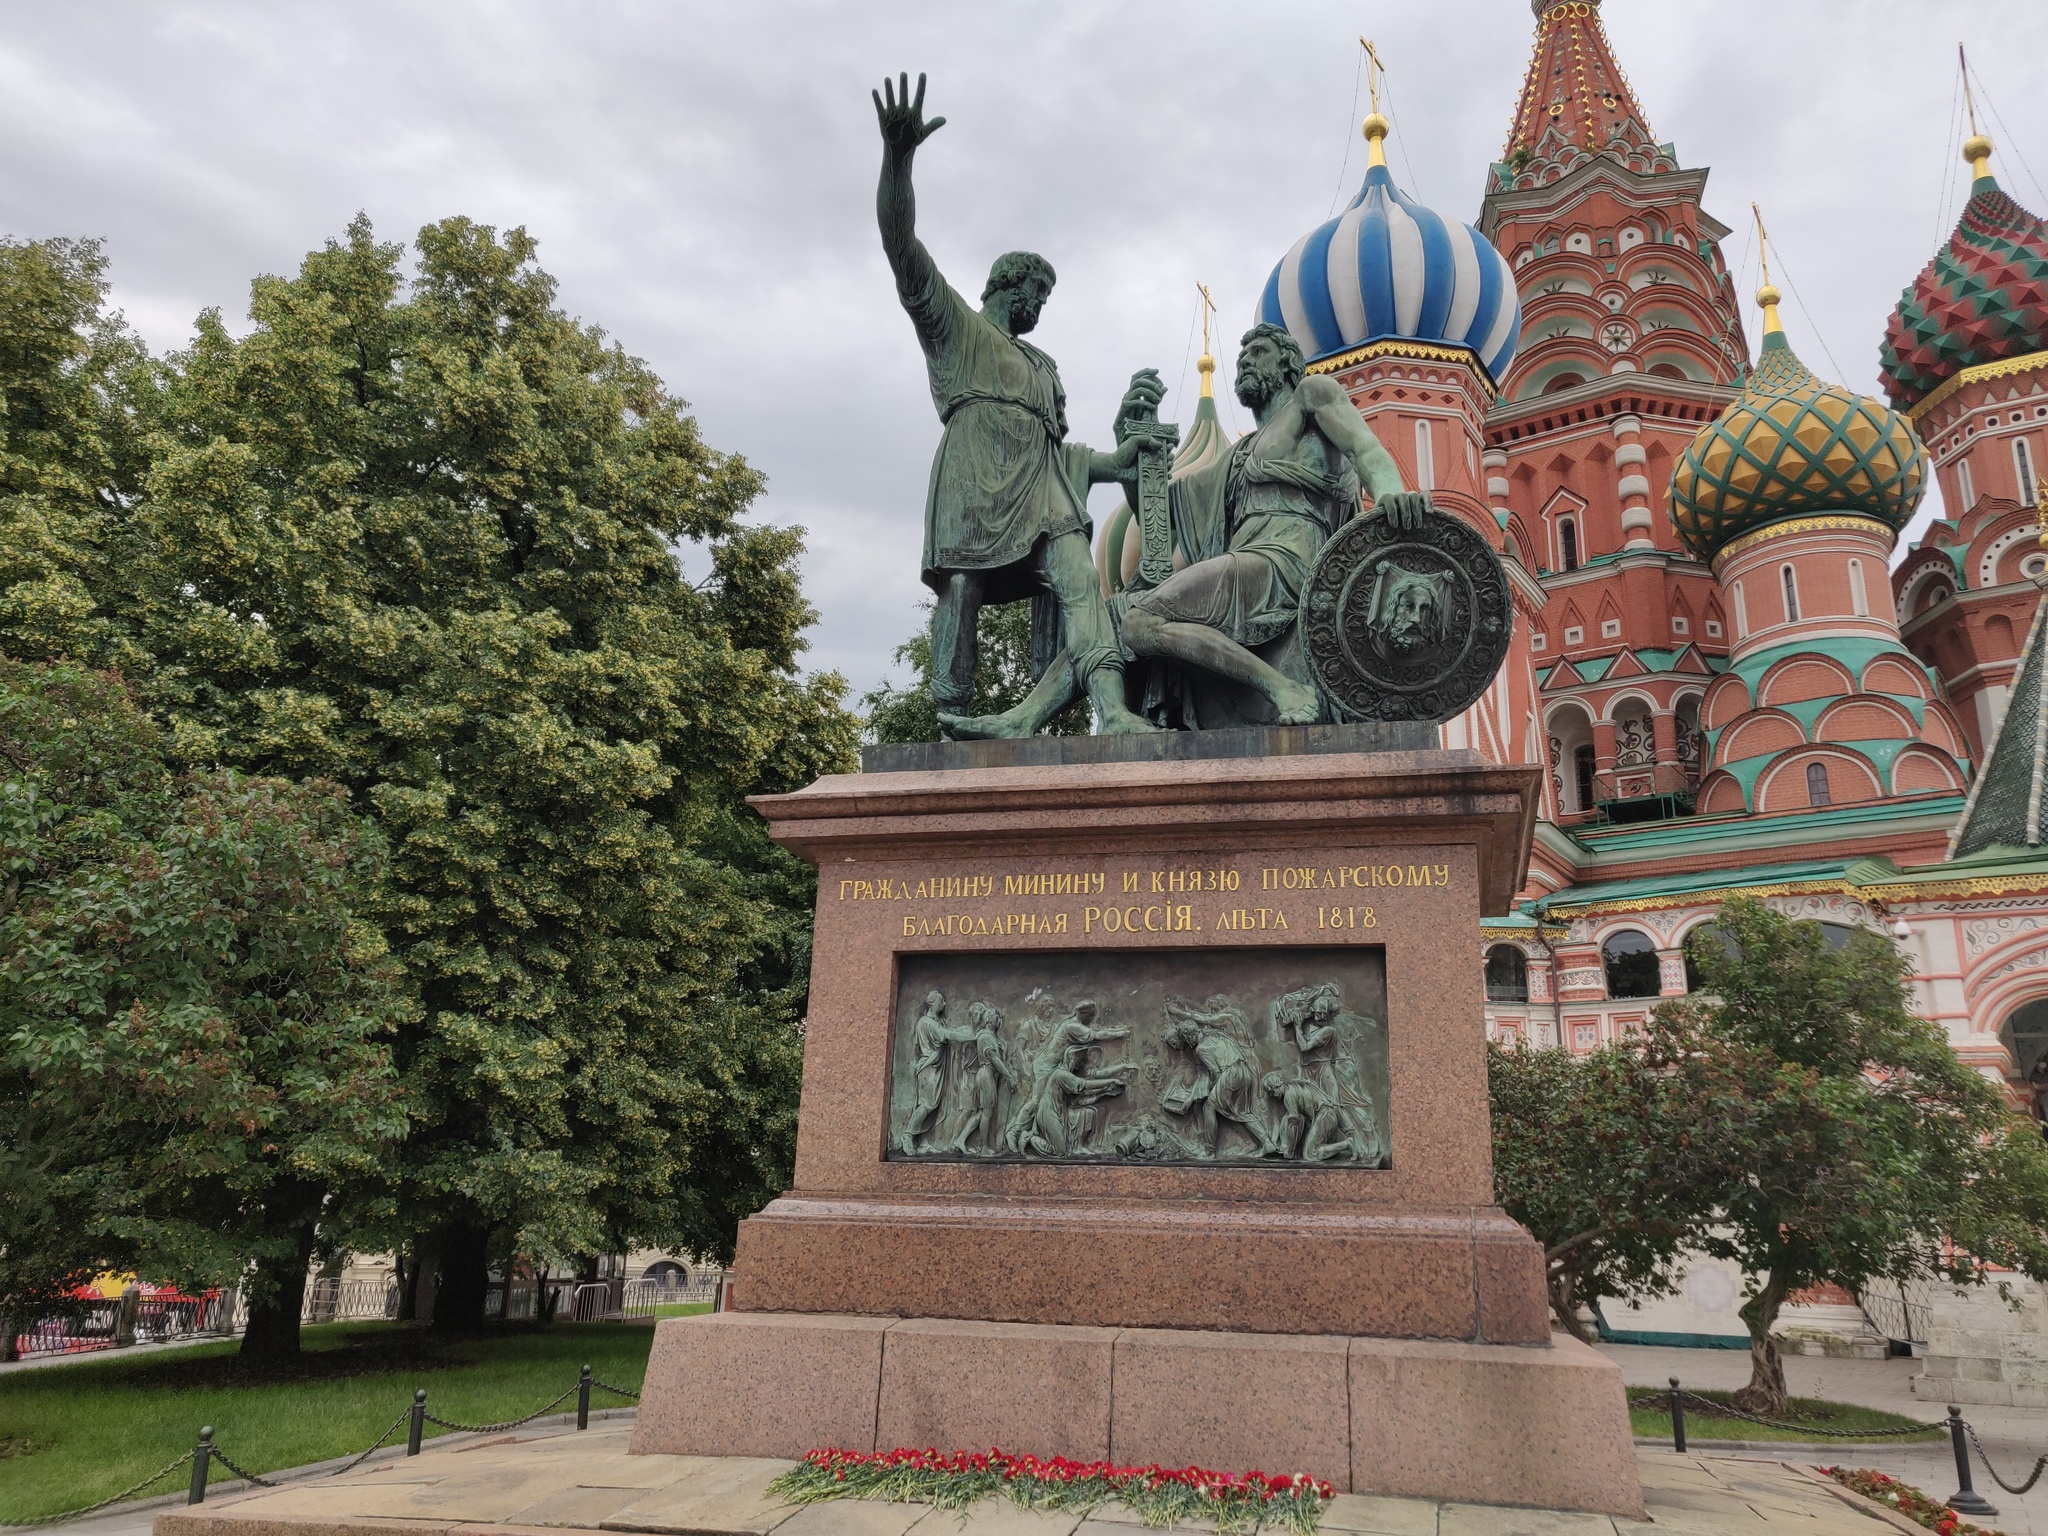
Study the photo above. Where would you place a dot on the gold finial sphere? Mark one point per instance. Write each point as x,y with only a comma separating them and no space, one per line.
1766,296
1376,126
1205,363
1977,147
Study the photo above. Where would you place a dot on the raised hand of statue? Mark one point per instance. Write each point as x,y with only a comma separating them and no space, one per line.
1404,509
902,118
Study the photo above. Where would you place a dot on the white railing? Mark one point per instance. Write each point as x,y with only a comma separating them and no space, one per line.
335,1301
647,1298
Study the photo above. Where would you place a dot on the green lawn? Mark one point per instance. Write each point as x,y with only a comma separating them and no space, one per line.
76,1433
1655,1423
682,1309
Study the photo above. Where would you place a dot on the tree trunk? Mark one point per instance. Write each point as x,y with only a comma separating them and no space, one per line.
1564,1302
10,1342
1765,1394
277,1299
465,1265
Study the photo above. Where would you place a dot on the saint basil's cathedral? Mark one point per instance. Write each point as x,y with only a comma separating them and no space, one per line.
1733,691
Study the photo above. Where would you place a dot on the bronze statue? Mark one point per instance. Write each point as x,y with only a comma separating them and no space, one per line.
1250,527
1006,516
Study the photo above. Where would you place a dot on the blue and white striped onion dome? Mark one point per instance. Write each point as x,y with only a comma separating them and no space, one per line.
1389,269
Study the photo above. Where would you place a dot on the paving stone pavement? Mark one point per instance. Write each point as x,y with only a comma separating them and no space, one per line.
2013,1437
557,1482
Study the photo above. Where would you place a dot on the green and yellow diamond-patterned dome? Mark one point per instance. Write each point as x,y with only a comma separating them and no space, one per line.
1790,446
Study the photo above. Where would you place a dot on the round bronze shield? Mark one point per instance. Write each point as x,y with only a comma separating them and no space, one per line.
1405,626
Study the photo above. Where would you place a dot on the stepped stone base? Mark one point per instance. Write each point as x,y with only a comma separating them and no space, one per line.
1486,1423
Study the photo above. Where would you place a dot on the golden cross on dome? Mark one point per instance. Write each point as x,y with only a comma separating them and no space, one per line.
2041,511
1206,362
1376,125
1768,294
1373,71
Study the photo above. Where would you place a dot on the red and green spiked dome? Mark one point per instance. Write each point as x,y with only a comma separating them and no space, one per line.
1982,299
1792,445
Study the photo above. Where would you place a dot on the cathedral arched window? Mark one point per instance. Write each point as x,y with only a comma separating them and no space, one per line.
1817,784
1791,584
1630,957
1507,975
1963,482
2023,469
1859,599
1567,545
1425,457
1741,613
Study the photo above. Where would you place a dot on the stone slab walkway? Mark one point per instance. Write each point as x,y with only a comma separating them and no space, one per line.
555,1483
2013,1437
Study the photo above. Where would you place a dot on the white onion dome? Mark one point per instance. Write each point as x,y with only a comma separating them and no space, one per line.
1389,269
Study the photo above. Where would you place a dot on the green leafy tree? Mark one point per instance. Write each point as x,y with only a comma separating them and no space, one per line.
1613,1160
194,1013
1002,678
1869,1151
415,532
76,391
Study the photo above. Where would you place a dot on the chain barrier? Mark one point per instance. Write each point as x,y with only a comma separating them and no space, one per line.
215,1453
1729,1411
492,1429
403,1415
221,1456
2034,1477
74,1514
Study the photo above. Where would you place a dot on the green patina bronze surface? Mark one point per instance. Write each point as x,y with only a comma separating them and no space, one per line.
1006,516
1211,632
1231,1056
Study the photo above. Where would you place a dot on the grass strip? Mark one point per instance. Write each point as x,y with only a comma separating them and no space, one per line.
1810,1414
74,1434
1239,1502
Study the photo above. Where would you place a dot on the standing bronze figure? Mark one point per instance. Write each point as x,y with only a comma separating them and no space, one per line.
1006,517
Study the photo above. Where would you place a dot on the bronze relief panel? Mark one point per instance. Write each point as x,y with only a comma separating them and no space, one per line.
1252,1056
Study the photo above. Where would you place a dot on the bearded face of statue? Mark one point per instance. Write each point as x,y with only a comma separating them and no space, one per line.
1412,618
1260,373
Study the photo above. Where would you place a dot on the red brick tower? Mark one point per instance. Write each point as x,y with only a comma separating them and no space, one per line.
1630,343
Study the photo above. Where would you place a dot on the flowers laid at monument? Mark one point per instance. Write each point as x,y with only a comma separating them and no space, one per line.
1907,1500
1236,1501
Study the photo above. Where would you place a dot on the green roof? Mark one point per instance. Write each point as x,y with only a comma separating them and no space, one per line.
2005,804
1698,882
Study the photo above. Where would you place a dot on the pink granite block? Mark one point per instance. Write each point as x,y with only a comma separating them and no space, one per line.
1492,1424
966,1386
1232,1402
761,1384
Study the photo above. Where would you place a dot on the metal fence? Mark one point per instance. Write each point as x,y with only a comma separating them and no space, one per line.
108,1322
646,1299
101,1323
1900,1312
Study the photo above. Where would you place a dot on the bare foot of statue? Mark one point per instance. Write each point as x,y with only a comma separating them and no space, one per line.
1009,725
1297,704
1118,721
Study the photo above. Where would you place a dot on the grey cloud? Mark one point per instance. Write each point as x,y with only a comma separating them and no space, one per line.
701,178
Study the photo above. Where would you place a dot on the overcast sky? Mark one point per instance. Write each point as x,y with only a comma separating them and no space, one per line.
701,178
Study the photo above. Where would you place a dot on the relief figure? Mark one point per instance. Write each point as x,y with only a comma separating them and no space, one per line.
1059,1118
986,1067
930,1037
1310,1127
1327,1038
1226,1083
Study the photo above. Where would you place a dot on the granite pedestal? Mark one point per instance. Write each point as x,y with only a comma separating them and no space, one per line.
1385,1327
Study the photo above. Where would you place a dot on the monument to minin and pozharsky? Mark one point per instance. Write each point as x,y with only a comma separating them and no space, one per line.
1144,1106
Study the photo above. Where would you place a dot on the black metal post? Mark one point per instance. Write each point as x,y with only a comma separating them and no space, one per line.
1966,1500
1677,1417
583,1399
419,1422
202,1454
